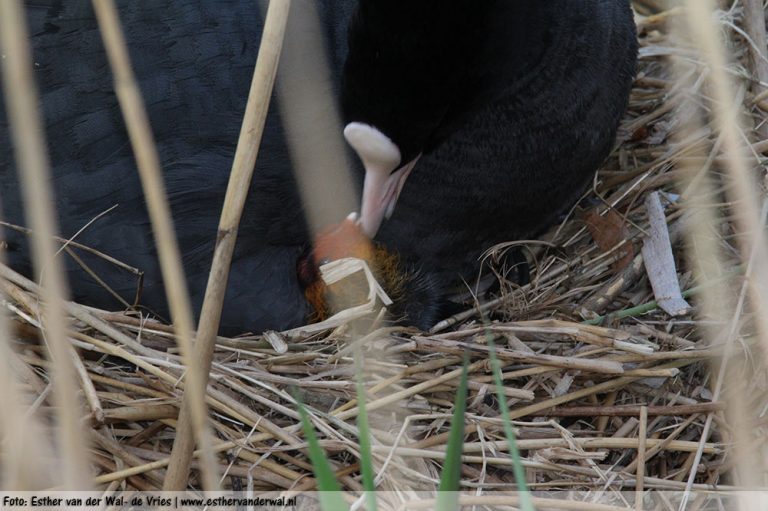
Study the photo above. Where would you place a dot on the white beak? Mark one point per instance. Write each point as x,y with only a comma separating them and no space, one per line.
383,179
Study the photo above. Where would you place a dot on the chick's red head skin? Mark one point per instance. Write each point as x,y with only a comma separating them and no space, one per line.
338,241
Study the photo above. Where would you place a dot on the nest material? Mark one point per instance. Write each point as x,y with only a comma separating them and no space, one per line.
583,349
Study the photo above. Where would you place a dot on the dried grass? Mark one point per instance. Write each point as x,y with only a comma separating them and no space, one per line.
607,391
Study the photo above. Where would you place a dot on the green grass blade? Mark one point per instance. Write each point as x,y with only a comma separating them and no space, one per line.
448,496
526,503
653,305
330,491
366,457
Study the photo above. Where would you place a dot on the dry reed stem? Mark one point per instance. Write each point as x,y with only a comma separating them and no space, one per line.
237,189
91,396
34,173
633,411
23,466
313,123
642,436
148,162
754,26
742,189
10,277
586,443
514,501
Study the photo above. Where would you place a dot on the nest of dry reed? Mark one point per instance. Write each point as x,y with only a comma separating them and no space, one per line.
607,390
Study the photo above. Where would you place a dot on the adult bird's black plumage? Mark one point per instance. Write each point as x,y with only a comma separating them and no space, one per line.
194,60
511,104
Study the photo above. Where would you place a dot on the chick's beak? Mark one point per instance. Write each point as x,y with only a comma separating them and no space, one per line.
383,179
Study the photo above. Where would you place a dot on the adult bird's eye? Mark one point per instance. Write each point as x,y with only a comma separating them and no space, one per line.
324,260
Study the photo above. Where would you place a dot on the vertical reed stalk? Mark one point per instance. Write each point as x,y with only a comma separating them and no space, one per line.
237,191
742,187
148,162
34,171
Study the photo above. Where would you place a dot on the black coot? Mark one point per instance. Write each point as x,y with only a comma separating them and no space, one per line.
500,111
506,109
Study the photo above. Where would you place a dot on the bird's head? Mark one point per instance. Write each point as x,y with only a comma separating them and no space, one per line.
346,240
419,297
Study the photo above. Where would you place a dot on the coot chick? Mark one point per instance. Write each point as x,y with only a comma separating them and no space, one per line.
417,297
194,60
500,111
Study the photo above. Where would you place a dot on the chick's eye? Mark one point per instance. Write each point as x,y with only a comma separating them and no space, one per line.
324,260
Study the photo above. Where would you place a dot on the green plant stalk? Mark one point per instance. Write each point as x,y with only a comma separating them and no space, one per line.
366,456
450,480
653,305
330,491
526,503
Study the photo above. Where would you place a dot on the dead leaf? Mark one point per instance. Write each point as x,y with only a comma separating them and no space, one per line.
609,230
